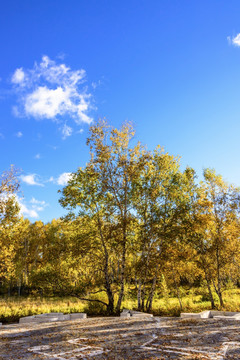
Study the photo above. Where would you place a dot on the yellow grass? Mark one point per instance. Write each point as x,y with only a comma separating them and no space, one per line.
12,308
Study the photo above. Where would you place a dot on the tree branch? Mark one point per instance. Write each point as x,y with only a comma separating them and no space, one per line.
84,299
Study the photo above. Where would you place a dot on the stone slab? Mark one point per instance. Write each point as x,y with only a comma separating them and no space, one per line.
27,319
141,315
202,315
223,313
206,314
212,314
133,313
51,317
125,315
76,316
66,317
48,319
190,316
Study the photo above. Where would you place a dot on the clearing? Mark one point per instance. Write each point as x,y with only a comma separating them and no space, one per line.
122,338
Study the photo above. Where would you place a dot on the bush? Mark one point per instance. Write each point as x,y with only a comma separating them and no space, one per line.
95,308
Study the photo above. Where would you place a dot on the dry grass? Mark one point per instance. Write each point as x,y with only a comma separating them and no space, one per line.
12,308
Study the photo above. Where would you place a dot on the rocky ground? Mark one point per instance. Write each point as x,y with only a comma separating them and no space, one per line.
117,338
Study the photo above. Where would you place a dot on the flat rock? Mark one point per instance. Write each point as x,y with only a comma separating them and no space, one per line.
50,317
125,315
212,314
75,316
133,313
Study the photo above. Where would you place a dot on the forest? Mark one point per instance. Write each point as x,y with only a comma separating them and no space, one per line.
137,226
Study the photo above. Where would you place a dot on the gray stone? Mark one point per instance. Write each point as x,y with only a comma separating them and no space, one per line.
206,314
202,315
229,315
48,317
76,316
41,319
133,313
190,316
142,315
125,315
27,319
66,317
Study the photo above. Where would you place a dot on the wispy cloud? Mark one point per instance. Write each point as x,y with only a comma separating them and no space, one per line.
234,40
25,211
62,179
32,208
31,179
38,205
1,136
37,156
66,131
18,77
51,90
19,134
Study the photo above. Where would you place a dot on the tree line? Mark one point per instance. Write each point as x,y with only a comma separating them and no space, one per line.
135,219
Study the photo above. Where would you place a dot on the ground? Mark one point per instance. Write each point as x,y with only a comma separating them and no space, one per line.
117,338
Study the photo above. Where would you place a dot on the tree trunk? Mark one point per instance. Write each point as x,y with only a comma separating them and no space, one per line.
122,279
139,290
210,292
219,289
208,286
151,294
143,298
177,289
110,306
19,287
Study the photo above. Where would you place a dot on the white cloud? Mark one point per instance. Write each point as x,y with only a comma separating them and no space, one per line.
30,179
234,40
18,76
50,90
51,179
32,208
37,156
64,178
66,131
46,103
35,201
25,211
38,205
19,134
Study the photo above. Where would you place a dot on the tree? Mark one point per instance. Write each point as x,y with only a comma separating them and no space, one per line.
222,209
9,217
103,190
213,230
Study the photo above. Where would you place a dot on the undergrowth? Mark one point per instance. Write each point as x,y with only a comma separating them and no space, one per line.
12,308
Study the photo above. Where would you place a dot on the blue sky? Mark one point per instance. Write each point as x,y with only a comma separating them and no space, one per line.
170,67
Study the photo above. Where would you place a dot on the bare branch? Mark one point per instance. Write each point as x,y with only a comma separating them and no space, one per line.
84,299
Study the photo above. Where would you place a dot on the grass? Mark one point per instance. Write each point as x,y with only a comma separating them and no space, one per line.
12,308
